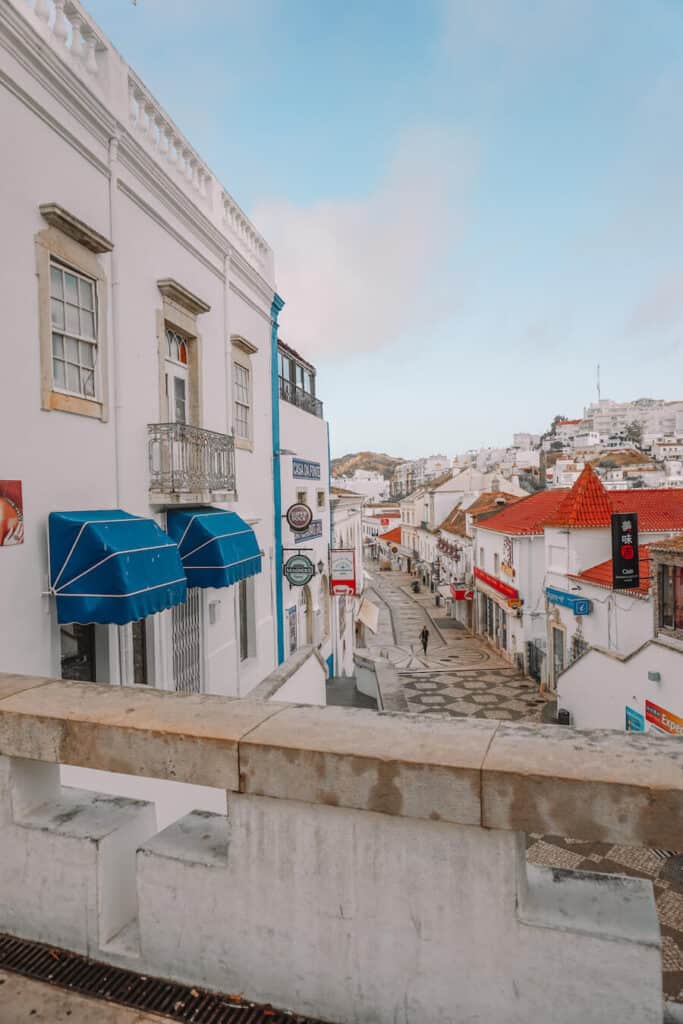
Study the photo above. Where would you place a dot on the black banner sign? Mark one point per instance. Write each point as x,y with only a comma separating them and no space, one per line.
625,564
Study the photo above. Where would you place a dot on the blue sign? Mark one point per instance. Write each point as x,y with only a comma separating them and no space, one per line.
314,530
302,469
579,605
635,722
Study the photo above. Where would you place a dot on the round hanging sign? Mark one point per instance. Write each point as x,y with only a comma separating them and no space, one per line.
299,570
299,517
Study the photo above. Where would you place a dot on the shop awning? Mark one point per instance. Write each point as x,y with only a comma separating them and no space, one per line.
217,548
109,566
368,614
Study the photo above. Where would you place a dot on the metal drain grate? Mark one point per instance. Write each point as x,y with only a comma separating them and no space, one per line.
90,978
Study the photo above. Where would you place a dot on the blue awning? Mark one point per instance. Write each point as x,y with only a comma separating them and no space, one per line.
217,548
110,566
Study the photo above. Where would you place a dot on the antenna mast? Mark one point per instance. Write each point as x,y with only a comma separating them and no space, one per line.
598,382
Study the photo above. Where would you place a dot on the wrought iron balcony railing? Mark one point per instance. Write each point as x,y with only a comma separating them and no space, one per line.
297,396
189,460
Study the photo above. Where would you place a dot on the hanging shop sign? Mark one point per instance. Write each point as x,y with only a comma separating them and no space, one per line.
625,565
461,593
579,605
302,469
663,720
343,570
635,721
299,570
299,517
314,530
494,584
11,513
384,521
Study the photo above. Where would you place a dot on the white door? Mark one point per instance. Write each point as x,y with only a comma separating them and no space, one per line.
176,374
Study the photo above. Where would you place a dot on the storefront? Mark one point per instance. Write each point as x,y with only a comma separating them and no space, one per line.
497,603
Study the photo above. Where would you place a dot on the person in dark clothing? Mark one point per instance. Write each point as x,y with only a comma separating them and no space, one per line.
424,638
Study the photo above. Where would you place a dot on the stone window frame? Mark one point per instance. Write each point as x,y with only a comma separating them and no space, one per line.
241,352
54,243
180,310
661,559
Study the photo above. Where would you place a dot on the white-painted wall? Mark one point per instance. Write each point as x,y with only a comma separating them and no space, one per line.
598,687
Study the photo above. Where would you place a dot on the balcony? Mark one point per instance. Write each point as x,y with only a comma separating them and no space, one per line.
371,867
289,392
189,463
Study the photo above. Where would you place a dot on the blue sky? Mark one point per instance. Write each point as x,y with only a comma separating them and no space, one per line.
472,202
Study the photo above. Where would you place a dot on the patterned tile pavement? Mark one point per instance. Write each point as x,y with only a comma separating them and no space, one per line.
462,676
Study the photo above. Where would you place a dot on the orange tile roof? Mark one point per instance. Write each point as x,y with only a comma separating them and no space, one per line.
455,523
491,500
673,544
601,575
561,423
586,505
392,536
526,516
658,509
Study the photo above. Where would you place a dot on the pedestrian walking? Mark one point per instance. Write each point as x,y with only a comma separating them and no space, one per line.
424,638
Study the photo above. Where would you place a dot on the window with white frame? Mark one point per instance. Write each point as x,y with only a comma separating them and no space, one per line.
73,322
241,401
321,499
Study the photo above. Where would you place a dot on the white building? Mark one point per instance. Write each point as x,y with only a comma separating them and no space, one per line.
347,533
653,416
526,441
363,481
408,476
638,678
146,381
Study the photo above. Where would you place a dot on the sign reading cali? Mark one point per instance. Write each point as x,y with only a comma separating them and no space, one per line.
299,517
299,570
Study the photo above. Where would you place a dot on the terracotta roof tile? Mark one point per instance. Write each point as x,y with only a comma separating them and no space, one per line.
526,516
659,509
586,505
601,575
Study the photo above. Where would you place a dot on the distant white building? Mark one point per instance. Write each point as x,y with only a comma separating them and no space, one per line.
410,475
526,440
370,484
654,416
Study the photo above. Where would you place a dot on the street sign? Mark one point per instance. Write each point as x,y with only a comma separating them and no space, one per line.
625,564
302,469
299,517
343,571
299,570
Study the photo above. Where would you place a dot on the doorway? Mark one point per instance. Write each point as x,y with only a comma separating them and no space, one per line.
186,643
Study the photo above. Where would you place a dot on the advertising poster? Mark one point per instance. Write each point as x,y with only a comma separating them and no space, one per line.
635,721
663,720
343,570
11,513
291,621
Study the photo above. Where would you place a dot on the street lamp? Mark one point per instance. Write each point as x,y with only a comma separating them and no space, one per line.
321,566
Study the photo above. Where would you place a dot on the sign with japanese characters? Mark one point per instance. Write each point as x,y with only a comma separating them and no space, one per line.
343,570
11,513
299,517
302,469
625,567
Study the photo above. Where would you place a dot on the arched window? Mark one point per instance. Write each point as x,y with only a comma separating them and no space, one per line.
176,346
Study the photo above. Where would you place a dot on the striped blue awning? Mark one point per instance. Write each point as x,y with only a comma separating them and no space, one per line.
112,567
217,548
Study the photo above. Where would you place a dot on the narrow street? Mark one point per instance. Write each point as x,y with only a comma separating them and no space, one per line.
461,676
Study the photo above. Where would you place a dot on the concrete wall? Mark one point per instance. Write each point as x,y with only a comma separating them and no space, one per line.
370,867
598,688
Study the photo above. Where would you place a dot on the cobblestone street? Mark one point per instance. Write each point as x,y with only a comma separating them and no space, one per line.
462,676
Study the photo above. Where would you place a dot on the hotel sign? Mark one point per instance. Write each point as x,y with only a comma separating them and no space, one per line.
625,565
579,605
302,469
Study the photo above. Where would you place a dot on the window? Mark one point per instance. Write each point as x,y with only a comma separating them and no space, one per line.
241,401
496,563
301,497
78,652
176,346
73,324
321,499
671,596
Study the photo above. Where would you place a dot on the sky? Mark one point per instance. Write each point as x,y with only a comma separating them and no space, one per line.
472,203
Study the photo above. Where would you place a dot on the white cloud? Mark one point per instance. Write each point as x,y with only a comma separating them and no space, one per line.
356,274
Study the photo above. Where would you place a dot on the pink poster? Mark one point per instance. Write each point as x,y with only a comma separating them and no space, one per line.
11,513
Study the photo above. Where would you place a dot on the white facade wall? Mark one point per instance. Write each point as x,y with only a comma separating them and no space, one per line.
598,688
161,228
306,435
